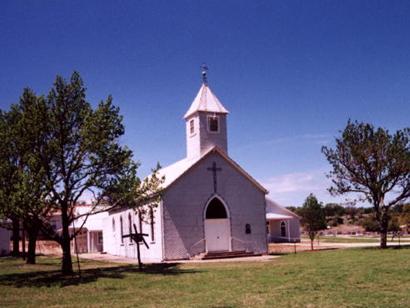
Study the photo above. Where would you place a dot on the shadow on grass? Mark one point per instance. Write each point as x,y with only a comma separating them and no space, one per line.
56,279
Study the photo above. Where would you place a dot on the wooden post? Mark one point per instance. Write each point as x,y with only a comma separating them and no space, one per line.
138,248
139,256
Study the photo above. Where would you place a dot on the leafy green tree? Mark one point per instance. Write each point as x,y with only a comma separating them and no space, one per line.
58,149
23,193
31,138
334,209
373,164
9,175
82,155
370,224
313,217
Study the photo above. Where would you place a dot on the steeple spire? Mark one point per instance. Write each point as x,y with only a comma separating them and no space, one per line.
204,73
205,121
205,100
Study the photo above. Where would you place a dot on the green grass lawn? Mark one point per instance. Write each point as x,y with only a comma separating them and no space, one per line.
343,239
339,278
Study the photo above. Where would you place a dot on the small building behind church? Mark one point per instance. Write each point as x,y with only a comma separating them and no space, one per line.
282,225
210,204
90,238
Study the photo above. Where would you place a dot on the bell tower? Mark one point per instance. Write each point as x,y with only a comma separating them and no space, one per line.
205,121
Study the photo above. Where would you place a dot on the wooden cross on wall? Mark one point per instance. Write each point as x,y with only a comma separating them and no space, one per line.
137,238
214,170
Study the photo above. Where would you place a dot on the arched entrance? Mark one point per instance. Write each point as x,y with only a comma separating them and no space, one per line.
283,229
217,226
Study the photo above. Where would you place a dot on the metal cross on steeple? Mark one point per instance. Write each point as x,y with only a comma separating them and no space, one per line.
214,169
204,73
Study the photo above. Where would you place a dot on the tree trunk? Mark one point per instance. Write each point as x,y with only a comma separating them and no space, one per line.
383,239
32,233
67,264
16,237
23,242
312,236
384,223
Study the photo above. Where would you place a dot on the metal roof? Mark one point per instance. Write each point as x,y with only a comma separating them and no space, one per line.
205,101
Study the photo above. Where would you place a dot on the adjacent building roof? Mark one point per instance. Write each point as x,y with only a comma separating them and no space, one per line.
176,170
206,101
274,211
276,216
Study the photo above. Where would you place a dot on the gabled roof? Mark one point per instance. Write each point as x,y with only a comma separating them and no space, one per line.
178,169
275,211
206,101
276,216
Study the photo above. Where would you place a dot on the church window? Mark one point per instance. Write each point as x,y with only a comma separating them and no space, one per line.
283,229
113,225
151,214
140,221
216,210
129,223
191,127
248,229
213,124
121,230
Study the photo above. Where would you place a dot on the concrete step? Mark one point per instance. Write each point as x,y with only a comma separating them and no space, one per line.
228,254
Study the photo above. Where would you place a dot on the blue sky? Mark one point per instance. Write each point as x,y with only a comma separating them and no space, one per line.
290,72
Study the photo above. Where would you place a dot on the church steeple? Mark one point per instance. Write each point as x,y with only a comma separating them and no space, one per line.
205,121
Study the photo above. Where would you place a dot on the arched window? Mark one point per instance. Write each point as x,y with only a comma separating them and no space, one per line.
151,214
113,224
216,210
140,221
121,230
129,223
191,127
283,229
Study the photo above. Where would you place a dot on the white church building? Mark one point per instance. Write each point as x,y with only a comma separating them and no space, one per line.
210,204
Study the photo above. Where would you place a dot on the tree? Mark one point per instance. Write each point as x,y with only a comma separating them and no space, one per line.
82,155
23,191
31,192
370,224
373,164
334,209
8,176
56,149
313,217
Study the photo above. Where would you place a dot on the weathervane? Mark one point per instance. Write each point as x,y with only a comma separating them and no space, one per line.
204,72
